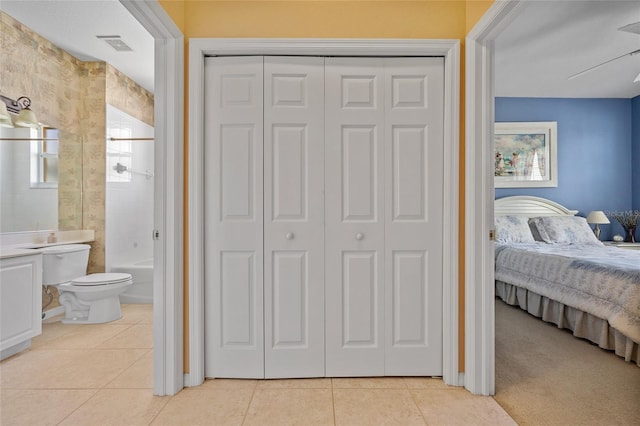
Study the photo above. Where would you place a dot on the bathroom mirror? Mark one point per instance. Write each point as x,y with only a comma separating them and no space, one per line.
32,180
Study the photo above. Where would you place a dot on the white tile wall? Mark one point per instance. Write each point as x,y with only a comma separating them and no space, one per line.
129,199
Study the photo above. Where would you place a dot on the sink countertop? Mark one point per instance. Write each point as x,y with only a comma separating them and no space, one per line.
15,245
7,252
25,246
33,246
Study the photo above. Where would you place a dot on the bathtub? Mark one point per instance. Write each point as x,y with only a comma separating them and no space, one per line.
142,289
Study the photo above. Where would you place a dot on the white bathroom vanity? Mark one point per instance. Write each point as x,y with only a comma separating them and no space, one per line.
20,299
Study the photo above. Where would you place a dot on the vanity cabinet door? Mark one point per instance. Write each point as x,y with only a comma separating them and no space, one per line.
20,302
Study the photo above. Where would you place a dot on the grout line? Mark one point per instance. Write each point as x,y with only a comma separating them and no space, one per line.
168,398
255,387
413,398
125,368
79,406
333,402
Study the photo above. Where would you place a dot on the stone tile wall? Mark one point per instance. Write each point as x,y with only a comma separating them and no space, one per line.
124,94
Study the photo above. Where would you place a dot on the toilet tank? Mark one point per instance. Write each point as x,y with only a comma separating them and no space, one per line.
63,263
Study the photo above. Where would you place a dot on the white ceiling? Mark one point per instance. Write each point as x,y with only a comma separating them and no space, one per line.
552,40
548,42
73,26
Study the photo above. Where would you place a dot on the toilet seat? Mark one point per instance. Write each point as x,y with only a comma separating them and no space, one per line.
92,284
101,279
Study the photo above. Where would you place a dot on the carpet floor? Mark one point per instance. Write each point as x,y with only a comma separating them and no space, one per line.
546,376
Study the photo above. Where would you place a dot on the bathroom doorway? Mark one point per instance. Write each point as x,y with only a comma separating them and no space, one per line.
129,200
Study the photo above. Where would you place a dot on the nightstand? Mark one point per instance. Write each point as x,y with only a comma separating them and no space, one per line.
630,246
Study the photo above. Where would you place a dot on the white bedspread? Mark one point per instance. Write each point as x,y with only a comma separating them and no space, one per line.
603,281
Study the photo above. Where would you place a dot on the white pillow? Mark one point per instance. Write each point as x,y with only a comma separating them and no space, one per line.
564,230
513,229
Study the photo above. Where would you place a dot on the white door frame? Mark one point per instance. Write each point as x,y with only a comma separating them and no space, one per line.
479,195
168,194
199,48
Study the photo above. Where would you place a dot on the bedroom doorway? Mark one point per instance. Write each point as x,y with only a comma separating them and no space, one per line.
481,110
479,369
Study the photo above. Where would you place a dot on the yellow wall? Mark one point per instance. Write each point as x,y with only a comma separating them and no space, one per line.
328,18
475,10
443,19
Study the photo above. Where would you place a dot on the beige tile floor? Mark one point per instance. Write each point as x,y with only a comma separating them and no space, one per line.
102,375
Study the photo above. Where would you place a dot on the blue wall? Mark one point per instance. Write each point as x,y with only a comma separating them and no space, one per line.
594,152
635,114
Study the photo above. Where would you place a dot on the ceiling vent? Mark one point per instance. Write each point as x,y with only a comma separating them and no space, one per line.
116,42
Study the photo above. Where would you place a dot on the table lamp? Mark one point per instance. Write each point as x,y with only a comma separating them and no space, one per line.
597,217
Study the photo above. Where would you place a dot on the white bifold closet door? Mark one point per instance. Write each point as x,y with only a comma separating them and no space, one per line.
384,173
323,216
264,276
233,174
293,217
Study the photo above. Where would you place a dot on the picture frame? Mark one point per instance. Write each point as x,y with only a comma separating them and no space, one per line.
526,154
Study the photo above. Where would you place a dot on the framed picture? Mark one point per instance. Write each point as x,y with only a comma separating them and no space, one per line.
525,155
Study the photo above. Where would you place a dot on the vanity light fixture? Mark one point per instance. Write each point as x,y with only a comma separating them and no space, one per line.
25,116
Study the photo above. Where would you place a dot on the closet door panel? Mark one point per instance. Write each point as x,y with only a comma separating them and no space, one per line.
360,296
409,298
294,216
359,169
289,159
414,98
236,153
354,111
233,218
409,186
237,294
290,300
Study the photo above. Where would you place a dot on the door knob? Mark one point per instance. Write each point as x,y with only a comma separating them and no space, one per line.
289,236
359,236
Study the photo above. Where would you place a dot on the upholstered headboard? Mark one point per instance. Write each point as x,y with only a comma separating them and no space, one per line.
524,205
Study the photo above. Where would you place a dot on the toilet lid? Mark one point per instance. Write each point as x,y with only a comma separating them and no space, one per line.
101,279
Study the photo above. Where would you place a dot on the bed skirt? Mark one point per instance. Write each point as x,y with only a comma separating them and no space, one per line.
582,324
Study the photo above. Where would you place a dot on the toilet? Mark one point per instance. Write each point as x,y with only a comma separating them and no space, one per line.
87,299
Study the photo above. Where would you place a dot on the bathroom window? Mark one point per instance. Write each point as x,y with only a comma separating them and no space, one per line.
44,158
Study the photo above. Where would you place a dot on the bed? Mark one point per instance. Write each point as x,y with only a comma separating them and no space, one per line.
549,263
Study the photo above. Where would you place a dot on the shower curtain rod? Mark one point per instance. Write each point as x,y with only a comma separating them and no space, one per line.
132,139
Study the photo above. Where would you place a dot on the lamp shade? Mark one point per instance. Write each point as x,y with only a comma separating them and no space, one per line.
3,111
27,118
6,122
597,216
